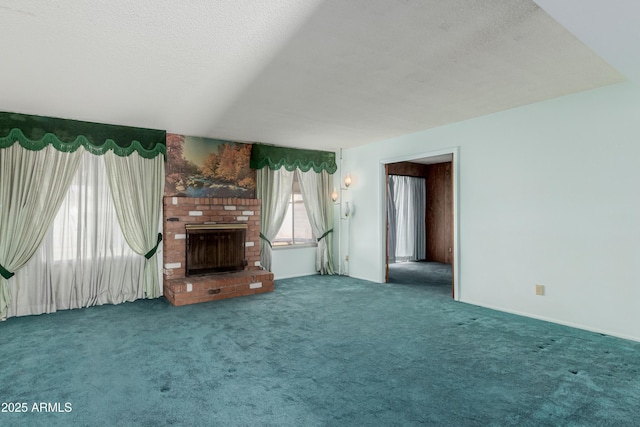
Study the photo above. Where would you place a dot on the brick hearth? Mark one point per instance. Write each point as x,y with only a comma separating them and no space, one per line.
181,290
191,290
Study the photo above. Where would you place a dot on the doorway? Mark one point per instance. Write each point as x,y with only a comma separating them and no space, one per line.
440,265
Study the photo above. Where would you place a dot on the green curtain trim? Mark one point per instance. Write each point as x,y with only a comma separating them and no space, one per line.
263,237
326,233
292,158
152,252
36,132
5,273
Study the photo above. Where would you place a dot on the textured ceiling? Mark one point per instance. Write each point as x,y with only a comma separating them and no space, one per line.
319,74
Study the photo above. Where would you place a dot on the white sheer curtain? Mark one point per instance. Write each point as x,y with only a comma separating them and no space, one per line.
84,259
316,191
137,185
32,186
409,205
273,188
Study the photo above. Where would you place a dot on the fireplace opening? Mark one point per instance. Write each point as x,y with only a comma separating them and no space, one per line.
215,248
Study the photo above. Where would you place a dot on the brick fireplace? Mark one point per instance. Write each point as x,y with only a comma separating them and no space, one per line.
180,212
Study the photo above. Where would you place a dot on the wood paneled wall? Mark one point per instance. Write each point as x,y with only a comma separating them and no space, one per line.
440,213
408,169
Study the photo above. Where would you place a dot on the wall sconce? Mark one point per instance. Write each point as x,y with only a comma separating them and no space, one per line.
335,195
347,210
347,180
337,198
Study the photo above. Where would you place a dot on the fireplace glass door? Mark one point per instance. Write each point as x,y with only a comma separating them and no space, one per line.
215,248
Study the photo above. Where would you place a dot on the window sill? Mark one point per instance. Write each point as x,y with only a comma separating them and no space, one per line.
296,246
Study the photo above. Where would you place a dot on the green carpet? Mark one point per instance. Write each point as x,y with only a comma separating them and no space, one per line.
318,351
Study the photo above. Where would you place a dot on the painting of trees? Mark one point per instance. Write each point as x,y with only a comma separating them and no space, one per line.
176,163
210,166
232,165
177,167
201,167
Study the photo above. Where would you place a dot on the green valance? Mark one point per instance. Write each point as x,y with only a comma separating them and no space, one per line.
36,132
292,158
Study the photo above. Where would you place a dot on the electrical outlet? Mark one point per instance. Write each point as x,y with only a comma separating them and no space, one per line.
539,289
346,258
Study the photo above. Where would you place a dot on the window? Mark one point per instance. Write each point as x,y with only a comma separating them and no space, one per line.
86,226
296,228
84,259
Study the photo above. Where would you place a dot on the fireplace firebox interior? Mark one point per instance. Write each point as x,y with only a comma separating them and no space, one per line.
215,248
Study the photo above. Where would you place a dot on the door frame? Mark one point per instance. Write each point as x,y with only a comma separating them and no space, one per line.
455,267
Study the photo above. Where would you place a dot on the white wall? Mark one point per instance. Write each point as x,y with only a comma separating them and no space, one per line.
549,194
293,262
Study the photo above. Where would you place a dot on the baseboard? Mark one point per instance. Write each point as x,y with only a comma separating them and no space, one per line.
293,276
361,278
556,321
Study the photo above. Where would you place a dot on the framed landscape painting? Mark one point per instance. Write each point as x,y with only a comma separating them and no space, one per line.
204,167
